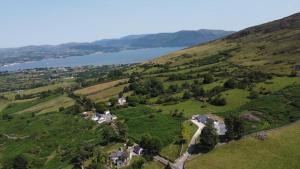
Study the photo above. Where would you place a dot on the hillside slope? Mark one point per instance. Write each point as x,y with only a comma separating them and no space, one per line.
280,150
272,47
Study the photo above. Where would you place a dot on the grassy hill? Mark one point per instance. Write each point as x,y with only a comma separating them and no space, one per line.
272,47
280,150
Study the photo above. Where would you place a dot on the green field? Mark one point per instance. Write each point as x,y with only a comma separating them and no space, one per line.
280,150
98,88
45,140
274,110
139,122
277,83
39,106
173,151
153,165
194,107
11,95
106,94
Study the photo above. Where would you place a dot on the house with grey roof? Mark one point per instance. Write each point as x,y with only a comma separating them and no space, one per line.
119,158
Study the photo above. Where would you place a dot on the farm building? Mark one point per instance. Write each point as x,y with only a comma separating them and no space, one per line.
219,124
119,158
138,150
122,101
106,117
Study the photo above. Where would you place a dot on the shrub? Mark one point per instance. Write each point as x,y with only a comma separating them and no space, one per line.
208,78
230,84
218,101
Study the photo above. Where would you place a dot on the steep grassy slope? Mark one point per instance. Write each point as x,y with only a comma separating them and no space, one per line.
272,47
280,150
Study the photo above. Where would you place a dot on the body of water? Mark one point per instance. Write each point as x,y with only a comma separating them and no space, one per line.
122,57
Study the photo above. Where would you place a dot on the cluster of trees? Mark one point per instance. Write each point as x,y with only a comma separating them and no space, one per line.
177,113
181,76
134,100
234,126
209,137
212,59
151,144
152,87
217,101
168,99
19,162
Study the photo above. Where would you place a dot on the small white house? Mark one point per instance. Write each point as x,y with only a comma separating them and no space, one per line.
122,101
119,158
220,127
107,112
95,117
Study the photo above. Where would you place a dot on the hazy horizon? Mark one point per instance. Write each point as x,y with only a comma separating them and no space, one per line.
32,22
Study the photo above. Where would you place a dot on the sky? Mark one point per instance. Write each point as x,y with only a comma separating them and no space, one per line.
37,22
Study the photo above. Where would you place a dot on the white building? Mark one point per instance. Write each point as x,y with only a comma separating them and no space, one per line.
220,127
122,101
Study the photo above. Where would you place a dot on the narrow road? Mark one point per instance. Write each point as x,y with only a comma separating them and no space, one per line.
179,162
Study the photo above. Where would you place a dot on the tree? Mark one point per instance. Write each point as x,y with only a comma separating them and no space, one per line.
138,164
77,109
230,84
101,107
115,74
253,95
198,91
238,128
113,101
126,89
60,109
234,127
293,73
187,95
208,78
108,135
18,97
6,116
121,128
229,127
173,88
151,144
120,94
88,104
20,163
100,159
209,137
218,101
185,85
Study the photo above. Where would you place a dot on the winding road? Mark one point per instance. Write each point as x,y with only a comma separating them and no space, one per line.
179,162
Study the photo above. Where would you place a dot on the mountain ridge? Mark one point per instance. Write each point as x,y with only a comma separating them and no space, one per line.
272,47
176,39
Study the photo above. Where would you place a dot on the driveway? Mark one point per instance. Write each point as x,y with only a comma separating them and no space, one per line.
179,162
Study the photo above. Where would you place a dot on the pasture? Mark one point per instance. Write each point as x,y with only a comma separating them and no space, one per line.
280,150
98,88
144,120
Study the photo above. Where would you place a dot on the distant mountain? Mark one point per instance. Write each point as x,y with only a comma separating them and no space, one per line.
181,38
177,39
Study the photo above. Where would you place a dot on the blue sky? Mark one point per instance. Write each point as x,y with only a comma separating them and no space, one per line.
35,22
